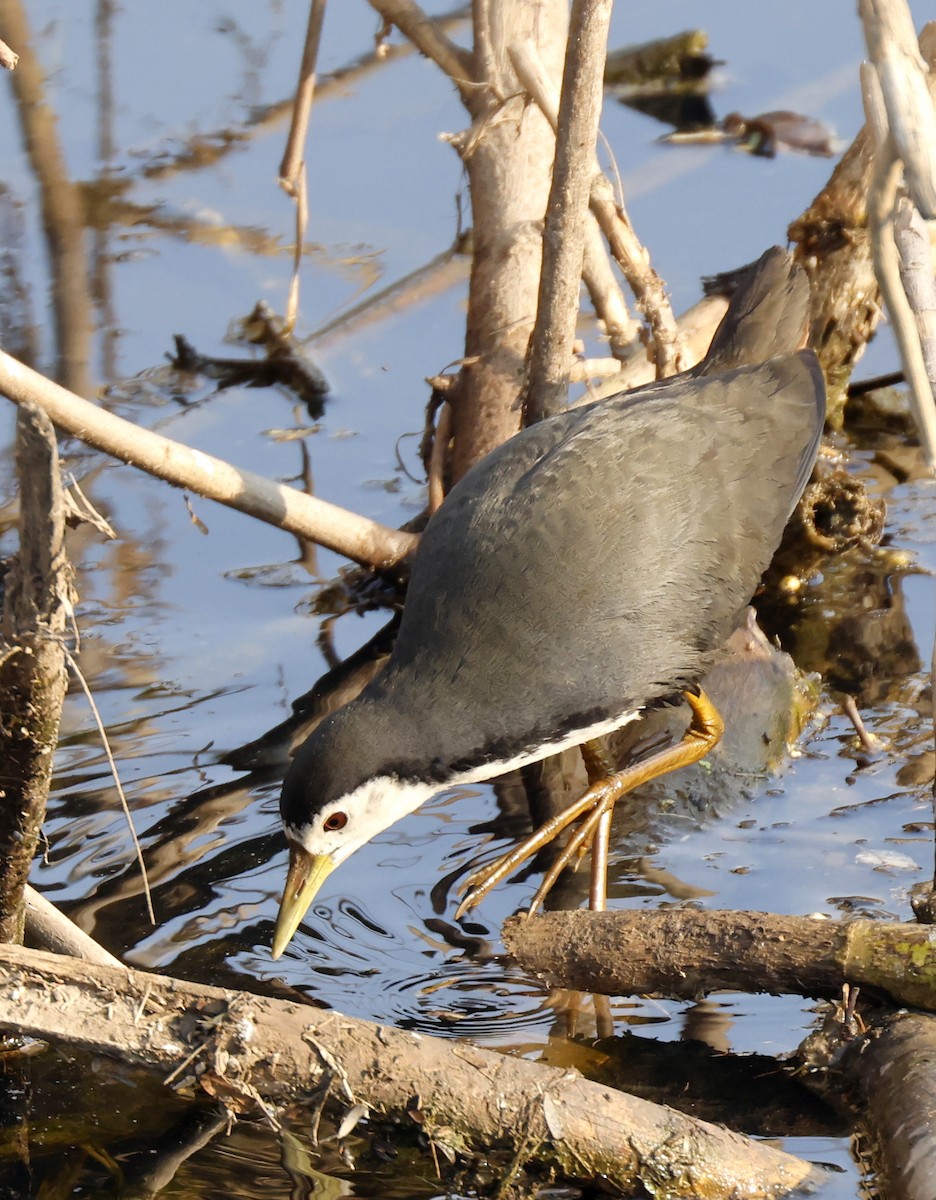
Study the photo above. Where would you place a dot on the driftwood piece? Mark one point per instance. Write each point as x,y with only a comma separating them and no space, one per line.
253,1051
358,538
686,953
33,677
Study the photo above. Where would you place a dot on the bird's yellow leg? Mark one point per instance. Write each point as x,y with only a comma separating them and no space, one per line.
577,844
705,730
598,765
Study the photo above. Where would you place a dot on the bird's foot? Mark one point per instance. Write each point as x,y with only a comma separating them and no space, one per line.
593,805
594,810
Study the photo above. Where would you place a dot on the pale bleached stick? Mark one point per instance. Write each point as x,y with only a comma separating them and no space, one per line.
882,198
337,529
916,274
902,74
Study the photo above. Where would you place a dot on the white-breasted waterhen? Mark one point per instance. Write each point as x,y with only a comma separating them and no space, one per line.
584,569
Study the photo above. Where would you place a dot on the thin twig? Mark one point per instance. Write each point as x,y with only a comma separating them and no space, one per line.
300,195
429,39
293,178
436,472
293,155
597,271
119,786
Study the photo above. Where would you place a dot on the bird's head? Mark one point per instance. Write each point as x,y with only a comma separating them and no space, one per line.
326,818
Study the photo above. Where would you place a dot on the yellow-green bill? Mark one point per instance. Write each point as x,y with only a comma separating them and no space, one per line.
307,872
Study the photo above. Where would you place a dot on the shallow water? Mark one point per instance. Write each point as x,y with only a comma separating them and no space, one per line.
196,644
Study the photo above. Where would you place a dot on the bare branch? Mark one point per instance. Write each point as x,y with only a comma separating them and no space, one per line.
894,51
547,382
347,533
882,199
630,255
597,272
428,38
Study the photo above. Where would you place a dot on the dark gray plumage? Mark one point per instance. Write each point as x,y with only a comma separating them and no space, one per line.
590,565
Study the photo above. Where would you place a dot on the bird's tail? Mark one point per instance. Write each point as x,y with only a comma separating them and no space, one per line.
768,315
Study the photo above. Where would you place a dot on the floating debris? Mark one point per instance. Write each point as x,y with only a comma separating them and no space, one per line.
763,135
667,79
284,365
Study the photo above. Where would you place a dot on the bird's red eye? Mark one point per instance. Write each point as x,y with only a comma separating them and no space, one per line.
337,820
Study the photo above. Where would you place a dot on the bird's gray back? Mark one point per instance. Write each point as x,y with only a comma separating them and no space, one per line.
598,558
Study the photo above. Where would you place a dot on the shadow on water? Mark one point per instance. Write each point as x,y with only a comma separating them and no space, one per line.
196,645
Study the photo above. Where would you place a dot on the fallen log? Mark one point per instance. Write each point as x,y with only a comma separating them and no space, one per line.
251,1052
685,953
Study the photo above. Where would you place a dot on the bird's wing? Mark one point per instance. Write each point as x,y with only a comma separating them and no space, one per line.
592,563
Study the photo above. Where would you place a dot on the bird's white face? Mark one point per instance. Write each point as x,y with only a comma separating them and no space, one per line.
346,824
332,835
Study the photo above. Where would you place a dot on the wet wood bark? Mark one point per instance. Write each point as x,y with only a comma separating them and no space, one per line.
831,241
250,1051
892,1070
33,677
685,954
